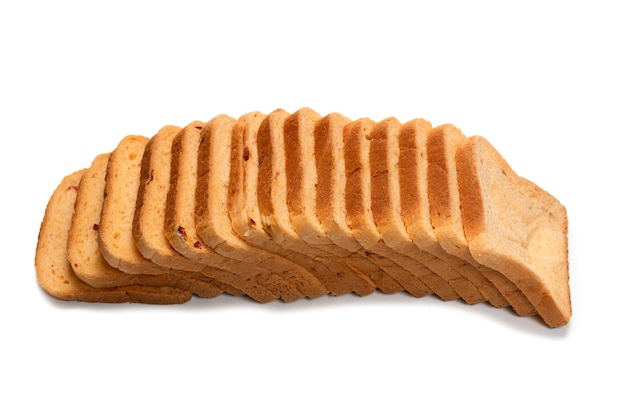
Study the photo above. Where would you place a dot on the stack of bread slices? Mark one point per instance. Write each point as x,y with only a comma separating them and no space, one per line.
289,206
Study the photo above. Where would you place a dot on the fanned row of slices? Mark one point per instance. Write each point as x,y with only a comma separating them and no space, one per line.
287,206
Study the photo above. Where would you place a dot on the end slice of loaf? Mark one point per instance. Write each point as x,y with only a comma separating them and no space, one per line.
54,272
516,228
445,210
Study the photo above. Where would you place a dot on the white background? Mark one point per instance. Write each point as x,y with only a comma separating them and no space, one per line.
543,81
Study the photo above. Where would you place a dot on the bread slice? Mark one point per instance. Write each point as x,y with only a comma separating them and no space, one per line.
445,211
415,208
244,209
359,216
149,219
301,195
331,204
516,228
54,272
118,210
213,222
180,223
275,219
242,200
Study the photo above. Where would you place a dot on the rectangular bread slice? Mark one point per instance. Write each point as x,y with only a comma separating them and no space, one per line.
359,216
180,223
274,211
301,195
245,212
83,251
115,233
213,221
242,200
385,189
516,228
415,208
331,205
445,211
54,272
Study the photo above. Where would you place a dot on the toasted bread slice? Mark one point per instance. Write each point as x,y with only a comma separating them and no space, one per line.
445,211
359,208
213,221
515,228
54,272
242,194
330,203
275,219
301,195
413,167
180,223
